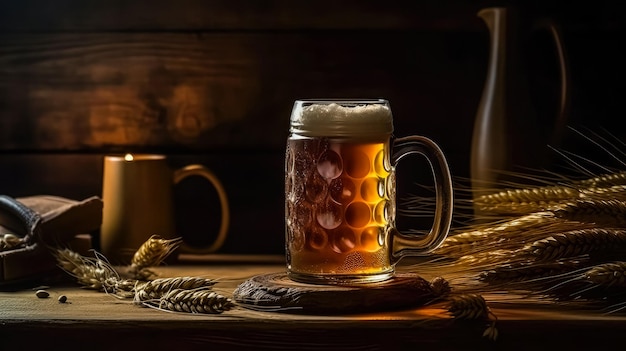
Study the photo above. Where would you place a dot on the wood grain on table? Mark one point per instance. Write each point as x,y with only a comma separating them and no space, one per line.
101,321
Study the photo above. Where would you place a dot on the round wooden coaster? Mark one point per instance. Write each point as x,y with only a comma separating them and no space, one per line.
277,292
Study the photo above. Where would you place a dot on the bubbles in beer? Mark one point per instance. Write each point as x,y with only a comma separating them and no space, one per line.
354,260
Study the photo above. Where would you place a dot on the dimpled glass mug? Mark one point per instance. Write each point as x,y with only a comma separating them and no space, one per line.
340,193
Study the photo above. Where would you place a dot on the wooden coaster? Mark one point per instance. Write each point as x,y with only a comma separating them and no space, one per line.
276,291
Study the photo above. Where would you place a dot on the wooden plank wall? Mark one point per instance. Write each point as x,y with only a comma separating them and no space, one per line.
213,82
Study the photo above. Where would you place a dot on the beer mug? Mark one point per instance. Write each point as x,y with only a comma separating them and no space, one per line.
137,196
340,193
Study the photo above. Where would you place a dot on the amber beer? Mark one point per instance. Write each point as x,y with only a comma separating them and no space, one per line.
340,193
338,202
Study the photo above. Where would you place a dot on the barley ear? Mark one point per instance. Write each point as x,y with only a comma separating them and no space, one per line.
194,301
91,272
474,306
468,306
608,274
157,288
151,254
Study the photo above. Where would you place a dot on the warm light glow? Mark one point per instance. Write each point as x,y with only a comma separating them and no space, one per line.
128,157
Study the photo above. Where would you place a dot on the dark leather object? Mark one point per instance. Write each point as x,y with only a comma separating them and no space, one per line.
42,223
20,219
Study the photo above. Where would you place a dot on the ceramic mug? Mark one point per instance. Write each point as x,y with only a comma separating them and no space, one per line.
138,203
340,192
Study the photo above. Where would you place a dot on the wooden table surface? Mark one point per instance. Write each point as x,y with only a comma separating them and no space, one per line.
93,320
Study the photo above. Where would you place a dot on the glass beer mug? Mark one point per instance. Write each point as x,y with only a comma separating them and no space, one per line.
340,193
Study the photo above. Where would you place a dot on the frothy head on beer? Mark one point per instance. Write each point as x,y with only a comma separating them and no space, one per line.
336,118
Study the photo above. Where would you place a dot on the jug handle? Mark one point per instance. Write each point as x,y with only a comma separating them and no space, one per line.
564,72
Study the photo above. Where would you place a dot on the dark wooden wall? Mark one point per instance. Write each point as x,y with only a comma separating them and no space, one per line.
213,82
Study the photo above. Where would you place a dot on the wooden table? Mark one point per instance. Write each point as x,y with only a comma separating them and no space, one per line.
92,320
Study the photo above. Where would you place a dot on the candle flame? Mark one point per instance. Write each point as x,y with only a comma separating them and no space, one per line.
128,157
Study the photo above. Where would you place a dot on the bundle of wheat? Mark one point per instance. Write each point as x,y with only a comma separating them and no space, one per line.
176,294
562,241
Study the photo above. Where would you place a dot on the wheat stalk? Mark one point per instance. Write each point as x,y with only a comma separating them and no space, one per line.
151,253
576,243
180,294
468,306
615,191
10,241
603,212
604,180
526,200
126,287
509,235
157,288
192,301
93,273
584,224
608,274
535,199
464,241
486,257
473,306
525,271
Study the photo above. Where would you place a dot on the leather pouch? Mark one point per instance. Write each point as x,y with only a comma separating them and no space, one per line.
31,226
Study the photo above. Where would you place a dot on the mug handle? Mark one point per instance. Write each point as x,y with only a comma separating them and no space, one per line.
202,171
404,245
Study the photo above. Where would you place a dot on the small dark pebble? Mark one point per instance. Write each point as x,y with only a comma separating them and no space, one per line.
42,294
62,299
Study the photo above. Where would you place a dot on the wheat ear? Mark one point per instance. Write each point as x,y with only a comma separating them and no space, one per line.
157,288
575,243
93,273
468,306
10,241
604,180
534,199
503,235
527,200
608,274
525,271
473,306
608,213
193,301
150,254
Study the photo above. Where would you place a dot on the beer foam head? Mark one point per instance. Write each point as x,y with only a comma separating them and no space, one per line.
358,118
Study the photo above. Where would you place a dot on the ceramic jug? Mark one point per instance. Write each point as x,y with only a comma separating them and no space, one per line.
510,136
